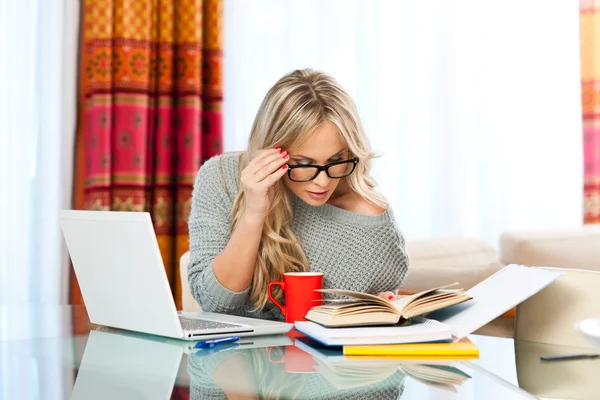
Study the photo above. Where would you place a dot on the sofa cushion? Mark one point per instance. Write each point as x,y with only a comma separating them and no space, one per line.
440,261
566,248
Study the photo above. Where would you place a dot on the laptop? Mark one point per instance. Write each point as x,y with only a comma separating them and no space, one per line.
124,284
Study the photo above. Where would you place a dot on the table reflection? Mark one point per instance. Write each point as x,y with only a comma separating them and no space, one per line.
124,365
577,379
267,373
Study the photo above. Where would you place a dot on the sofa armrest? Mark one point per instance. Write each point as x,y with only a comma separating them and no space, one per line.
188,303
440,261
565,248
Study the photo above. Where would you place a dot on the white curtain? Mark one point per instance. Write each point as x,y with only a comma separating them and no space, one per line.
474,104
38,81
38,86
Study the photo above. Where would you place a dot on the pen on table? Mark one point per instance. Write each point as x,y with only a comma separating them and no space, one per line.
569,357
207,344
217,349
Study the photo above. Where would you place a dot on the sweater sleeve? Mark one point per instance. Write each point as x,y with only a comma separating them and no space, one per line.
209,221
394,259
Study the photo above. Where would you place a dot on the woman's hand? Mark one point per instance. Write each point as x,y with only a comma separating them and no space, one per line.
259,177
390,296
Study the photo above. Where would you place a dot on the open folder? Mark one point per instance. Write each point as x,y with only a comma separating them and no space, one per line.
494,296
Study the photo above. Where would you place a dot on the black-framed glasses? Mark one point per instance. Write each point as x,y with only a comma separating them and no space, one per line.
336,170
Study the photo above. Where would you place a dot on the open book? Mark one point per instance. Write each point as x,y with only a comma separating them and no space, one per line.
368,309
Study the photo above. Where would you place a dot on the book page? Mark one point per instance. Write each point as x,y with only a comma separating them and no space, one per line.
405,302
494,296
359,296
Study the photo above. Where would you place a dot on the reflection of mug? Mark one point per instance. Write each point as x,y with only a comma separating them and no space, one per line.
300,295
296,360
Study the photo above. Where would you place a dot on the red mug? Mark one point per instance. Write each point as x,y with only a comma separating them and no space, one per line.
295,360
300,294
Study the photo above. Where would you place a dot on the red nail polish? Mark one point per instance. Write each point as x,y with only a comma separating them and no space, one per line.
284,166
278,147
283,152
391,298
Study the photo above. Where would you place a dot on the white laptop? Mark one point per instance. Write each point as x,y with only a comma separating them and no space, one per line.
124,285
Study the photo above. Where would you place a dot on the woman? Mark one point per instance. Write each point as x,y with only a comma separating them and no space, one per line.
301,198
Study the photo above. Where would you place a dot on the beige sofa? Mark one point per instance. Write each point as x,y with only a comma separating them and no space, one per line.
440,261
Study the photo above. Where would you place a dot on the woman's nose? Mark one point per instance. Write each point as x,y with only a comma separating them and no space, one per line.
322,179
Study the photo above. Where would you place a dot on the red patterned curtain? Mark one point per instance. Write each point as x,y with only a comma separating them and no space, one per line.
590,92
150,112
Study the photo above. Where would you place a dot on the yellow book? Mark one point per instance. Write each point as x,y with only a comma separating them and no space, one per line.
462,348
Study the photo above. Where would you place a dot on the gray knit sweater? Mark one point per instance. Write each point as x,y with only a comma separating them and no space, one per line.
354,251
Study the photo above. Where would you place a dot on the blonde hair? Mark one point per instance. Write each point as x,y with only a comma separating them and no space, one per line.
290,112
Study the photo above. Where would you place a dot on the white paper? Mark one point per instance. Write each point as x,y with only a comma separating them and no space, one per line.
494,296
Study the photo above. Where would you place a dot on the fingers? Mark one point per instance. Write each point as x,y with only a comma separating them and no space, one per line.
270,165
259,161
387,296
264,170
274,177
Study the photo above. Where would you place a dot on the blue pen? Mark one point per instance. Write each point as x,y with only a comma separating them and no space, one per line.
207,344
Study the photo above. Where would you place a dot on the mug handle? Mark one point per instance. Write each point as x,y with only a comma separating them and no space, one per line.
269,290
280,361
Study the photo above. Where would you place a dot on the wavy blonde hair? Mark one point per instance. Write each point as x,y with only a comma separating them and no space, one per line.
291,111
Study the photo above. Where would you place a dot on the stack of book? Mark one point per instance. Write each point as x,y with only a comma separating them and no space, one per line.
358,339
367,325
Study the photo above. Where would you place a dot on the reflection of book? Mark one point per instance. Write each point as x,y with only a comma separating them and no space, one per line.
352,376
416,330
439,376
463,348
368,309
351,372
335,355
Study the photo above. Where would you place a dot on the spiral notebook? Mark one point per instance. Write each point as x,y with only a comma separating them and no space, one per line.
417,330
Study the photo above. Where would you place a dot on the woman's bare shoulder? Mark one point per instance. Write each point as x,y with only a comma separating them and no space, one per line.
356,204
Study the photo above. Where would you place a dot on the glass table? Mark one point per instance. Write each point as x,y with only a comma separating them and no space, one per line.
56,353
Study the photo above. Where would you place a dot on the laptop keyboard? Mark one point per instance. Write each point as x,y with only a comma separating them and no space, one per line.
192,324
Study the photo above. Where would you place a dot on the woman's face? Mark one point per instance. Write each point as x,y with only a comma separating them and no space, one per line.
323,147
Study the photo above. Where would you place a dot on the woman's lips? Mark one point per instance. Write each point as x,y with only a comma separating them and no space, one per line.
318,195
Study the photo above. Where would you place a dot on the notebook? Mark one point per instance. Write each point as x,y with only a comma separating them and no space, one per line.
464,348
416,330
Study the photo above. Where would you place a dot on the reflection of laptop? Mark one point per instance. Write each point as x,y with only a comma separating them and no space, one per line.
118,368
130,365
124,284
248,342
